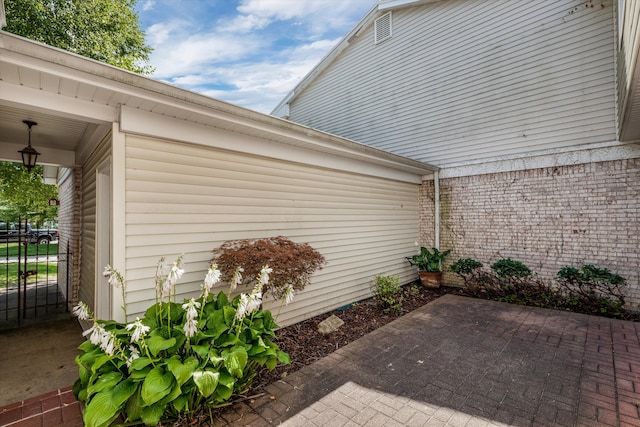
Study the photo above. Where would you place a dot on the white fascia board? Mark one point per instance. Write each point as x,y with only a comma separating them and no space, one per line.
320,154
384,5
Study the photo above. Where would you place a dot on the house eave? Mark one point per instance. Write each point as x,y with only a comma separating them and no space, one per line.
137,92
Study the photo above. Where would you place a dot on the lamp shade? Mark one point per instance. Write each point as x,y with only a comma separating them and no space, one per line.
29,154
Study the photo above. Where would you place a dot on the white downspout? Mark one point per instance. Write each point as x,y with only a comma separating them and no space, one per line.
436,214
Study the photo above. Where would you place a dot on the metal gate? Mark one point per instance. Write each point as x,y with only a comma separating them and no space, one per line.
30,257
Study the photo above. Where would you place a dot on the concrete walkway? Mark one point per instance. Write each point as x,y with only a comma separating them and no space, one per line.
466,362
454,362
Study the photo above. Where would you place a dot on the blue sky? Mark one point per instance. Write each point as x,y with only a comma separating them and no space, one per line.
247,52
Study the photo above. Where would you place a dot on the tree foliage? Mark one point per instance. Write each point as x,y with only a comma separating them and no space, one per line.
23,192
105,30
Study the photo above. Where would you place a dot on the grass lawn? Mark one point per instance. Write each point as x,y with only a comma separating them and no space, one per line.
9,271
11,250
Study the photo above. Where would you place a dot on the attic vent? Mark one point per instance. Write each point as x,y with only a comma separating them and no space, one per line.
383,28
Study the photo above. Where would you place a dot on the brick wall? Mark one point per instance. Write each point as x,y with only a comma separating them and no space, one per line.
547,218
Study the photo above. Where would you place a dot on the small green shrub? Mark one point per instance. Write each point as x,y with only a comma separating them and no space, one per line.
465,267
388,293
508,268
595,289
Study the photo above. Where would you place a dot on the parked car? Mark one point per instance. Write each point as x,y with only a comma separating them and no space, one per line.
11,232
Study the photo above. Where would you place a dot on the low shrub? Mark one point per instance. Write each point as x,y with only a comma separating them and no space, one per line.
240,261
388,293
593,289
508,268
465,267
180,359
589,290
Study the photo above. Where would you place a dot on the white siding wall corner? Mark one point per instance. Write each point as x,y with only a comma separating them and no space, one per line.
88,228
184,198
468,79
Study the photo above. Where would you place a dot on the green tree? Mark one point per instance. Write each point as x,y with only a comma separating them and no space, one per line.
23,193
105,30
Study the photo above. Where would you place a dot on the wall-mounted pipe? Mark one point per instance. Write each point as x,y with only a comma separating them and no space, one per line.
436,211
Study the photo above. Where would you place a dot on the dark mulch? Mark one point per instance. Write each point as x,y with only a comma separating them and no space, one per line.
306,345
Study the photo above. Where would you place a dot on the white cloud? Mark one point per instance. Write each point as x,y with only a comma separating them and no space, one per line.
319,16
148,5
250,55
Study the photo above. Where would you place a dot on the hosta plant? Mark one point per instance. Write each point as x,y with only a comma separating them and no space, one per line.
180,359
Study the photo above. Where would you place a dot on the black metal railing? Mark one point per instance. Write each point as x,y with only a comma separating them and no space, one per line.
30,262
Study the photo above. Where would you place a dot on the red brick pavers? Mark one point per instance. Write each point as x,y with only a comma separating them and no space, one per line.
454,362
465,362
55,409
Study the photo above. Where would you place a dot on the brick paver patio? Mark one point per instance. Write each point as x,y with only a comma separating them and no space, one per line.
454,362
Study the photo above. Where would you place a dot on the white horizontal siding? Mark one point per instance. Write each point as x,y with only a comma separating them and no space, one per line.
88,228
189,199
473,79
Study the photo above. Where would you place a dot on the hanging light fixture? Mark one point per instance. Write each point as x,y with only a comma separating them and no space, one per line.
29,154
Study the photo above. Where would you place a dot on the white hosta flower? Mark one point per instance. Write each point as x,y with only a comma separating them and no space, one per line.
190,327
263,278
139,330
288,295
241,312
135,354
114,277
97,331
210,280
82,311
248,304
255,301
191,308
108,344
176,272
237,277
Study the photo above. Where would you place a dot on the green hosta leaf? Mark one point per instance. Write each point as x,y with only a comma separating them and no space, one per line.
283,357
133,408
151,414
101,411
139,363
229,314
156,386
216,324
235,360
99,361
180,402
182,371
223,392
222,300
80,391
206,381
123,391
175,392
201,350
225,386
105,382
140,374
157,344
215,358
87,346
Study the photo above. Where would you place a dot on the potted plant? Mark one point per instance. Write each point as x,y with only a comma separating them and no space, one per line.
429,265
